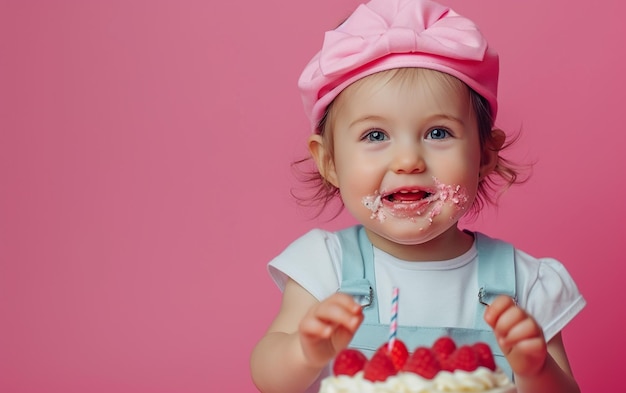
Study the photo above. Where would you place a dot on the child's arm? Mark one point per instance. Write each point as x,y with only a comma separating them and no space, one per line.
305,335
538,366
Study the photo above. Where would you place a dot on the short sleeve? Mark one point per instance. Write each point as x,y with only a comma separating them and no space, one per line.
312,261
548,293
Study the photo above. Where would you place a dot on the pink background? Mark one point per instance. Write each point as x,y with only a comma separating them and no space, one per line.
145,151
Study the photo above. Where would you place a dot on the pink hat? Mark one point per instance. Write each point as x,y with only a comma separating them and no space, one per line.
387,34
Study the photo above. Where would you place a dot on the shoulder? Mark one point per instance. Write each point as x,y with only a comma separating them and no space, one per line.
315,241
312,260
531,268
546,270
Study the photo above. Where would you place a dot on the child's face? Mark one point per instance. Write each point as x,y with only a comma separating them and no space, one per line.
406,155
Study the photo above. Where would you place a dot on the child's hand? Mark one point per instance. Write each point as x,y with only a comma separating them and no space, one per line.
519,336
328,327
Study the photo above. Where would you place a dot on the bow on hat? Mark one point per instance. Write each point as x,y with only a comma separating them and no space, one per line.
399,26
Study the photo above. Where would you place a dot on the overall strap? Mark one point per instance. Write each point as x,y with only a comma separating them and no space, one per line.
496,273
357,269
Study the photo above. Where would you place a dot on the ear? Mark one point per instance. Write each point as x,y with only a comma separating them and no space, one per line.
322,157
489,158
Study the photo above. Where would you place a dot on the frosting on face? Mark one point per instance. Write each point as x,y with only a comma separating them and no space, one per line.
412,203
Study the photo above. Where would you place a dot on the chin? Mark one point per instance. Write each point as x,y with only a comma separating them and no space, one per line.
409,232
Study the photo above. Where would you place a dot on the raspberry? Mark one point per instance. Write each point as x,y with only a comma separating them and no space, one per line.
379,368
349,362
423,362
398,354
485,356
464,358
443,347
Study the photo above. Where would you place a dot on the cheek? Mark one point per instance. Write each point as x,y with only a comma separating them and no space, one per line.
358,181
462,171
470,183
349,163
470,162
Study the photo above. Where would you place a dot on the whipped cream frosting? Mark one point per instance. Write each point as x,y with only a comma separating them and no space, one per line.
480,380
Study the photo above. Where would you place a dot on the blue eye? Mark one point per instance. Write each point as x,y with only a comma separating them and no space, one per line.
375,136
438,133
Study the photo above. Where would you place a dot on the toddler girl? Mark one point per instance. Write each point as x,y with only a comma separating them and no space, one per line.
402,100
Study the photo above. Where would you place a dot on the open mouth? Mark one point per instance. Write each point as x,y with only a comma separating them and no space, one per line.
406,196
411,203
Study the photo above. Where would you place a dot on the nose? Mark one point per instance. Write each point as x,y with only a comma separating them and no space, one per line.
408,159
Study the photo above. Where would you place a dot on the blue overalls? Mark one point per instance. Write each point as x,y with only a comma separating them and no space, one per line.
496,275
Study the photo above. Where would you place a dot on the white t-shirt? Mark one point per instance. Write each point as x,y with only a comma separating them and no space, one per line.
441,293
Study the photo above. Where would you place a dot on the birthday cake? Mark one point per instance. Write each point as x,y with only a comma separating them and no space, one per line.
443,367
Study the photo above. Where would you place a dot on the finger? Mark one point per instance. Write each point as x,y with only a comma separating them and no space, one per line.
315,328
536,345
526,329
497,308
341,338
347,302
528,356
348,313
339,313
511,317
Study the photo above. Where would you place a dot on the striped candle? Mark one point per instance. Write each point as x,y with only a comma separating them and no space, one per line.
393,326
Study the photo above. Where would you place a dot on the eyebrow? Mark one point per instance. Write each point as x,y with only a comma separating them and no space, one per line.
366,118
441,116
447,117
